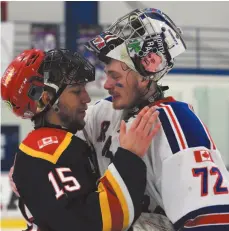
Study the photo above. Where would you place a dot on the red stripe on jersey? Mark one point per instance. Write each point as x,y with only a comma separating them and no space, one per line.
115,206
211,140
167,108
209,219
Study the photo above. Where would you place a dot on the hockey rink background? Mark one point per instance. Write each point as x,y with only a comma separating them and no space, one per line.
201,77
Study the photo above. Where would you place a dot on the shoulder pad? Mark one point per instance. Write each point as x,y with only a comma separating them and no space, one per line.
183,128
46,143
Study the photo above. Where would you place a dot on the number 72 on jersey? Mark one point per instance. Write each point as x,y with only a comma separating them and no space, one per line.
205,173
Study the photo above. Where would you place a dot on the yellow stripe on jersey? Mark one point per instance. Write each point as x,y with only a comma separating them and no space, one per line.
121,197
53,158
105,208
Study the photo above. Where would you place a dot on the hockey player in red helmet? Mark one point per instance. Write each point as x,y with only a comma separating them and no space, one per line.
22,84
55,172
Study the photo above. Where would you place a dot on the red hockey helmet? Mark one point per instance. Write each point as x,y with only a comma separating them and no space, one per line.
22,85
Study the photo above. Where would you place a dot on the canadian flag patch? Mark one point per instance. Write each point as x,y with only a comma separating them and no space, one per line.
202,156
47,141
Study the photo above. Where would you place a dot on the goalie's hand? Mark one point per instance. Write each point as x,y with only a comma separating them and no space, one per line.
144,127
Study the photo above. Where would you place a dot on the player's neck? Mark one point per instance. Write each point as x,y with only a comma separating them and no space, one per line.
52,118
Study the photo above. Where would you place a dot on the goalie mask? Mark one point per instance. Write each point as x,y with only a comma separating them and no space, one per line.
34,71
147,41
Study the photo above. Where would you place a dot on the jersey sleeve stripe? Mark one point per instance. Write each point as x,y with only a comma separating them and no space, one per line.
53,158
169,132
202,212
121,198
115,201
123,194
188,129
105,208
175,126
208,219
208,228
115,206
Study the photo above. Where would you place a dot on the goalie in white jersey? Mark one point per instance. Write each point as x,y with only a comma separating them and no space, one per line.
186,175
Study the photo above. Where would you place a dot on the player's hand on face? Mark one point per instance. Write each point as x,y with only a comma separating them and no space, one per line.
144,127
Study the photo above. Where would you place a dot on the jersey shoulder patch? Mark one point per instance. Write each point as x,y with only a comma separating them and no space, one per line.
46,143
182,127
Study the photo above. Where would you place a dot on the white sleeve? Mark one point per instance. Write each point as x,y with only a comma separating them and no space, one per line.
188,172
192,179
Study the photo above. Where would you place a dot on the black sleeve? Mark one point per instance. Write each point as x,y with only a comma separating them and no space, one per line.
113,205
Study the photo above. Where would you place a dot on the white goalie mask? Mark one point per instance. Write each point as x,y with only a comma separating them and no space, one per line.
147,41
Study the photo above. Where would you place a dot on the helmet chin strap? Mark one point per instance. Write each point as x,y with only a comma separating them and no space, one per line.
157,95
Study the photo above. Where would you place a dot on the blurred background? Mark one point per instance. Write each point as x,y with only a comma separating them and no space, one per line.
200,76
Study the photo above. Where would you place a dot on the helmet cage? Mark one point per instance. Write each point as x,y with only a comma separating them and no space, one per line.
141,35
62,68
124,26
131,26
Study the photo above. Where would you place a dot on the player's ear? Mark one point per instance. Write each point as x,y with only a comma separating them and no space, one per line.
45,98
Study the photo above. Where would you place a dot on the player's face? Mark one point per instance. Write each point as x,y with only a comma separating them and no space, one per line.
73,105
125,85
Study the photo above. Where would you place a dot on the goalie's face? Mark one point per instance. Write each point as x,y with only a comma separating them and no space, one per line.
72,106
124,85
